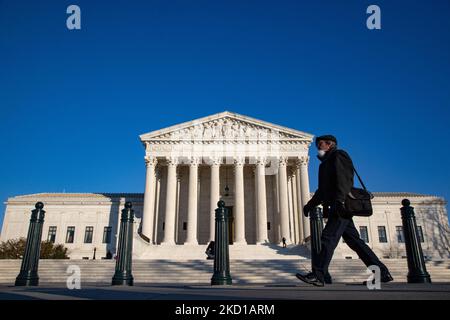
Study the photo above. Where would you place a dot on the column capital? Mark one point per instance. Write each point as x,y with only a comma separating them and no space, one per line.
302,161
150,161
172,161
283,161
239,161
194,161
215,161
261,161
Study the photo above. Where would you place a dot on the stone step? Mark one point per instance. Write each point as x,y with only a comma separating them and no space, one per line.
4,262
187,274
240,271
200,271
203,268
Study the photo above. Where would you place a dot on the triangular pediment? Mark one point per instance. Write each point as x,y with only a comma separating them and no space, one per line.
225,126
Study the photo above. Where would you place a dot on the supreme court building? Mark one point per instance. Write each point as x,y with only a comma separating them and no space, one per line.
258,168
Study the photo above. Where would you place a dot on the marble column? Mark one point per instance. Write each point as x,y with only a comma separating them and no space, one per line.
297,213
157,199
191,237
298,196
177,206
276,209
215,194
284,206
292,218
170,212
239,222
148,212
261,232
304,182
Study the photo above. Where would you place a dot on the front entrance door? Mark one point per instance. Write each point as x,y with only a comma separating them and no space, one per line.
230,225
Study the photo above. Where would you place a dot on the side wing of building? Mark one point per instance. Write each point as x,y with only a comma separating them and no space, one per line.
81,221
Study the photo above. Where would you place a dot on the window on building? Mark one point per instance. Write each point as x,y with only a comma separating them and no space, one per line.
88,234
184,225
420,233
164,225
364,234
268,225
400,235
51,234
382,237
70,236
107,234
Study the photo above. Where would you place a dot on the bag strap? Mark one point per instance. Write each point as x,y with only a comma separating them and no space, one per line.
359,178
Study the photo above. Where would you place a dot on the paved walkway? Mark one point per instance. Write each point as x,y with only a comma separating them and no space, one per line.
394,291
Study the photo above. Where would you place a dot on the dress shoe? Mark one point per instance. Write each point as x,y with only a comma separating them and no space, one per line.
310,278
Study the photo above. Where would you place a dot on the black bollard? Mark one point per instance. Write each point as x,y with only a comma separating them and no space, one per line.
316,226
221,274
28,275
417,271
123,274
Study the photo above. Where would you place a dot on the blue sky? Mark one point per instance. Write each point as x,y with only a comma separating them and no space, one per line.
74,102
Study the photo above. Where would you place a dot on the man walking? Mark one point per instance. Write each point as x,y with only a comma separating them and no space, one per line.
335,182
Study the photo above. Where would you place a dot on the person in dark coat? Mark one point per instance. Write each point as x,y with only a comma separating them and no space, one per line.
210,251
335,182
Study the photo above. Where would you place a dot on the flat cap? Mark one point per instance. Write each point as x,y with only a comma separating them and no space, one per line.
328,137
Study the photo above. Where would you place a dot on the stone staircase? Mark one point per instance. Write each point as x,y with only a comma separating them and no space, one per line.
268,272
143,251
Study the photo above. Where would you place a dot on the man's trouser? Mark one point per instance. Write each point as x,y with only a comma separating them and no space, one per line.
334,229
